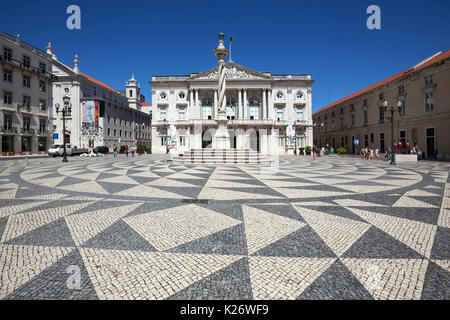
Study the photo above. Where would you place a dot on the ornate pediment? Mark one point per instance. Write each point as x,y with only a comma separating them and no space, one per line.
232,72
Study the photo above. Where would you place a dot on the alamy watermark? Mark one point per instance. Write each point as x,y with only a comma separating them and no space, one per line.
374,20
73,21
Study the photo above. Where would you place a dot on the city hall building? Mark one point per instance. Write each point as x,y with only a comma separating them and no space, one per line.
268,113
420,97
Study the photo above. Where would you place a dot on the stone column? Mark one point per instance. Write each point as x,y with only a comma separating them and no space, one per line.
245,104
271,110
240,114
215,104
191,104
264,105
197,106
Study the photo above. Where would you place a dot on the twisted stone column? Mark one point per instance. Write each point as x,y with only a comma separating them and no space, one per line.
221,87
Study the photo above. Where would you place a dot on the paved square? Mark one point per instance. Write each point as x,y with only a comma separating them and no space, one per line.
142,228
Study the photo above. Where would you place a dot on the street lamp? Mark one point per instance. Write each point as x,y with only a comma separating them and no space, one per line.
66,112
391,109
167,136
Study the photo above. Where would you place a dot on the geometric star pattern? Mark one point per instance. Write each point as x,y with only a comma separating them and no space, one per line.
144,228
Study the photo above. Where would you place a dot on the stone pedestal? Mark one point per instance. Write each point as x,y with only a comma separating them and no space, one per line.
221,139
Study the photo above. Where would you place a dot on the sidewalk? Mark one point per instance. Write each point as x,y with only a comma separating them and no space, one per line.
31,156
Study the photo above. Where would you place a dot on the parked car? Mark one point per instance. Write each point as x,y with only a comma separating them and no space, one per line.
56,150
101,149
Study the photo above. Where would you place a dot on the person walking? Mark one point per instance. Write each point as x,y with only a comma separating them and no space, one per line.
115,151
314,150
436,152
133,149
126,151
388,151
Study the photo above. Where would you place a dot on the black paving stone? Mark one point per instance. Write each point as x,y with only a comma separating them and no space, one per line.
336,283
230,283
52,283
231,241
119,236
304,243
55,233
377,244
436,284
441,245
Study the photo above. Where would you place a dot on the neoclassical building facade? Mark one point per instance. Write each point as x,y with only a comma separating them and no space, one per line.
269,113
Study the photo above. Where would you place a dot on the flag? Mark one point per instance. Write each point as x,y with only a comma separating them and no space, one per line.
232,41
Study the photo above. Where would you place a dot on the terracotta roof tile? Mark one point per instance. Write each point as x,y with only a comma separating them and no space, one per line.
440,57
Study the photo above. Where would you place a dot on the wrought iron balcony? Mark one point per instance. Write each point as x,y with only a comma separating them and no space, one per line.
8,129
21,65
27,131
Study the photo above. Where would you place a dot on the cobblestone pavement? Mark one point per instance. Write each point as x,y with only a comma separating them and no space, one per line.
144,228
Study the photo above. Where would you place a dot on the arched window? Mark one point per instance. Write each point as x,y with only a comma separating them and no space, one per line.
206,109
231,109
131,93
254,109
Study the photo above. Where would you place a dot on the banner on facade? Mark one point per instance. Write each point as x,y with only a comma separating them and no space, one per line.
290,137
172,138
88,112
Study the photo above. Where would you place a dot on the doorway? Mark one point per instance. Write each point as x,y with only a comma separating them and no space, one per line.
254,140
207,139
430,143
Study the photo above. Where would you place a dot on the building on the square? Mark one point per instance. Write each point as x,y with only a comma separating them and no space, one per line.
26,97
261,108
420,96
101,116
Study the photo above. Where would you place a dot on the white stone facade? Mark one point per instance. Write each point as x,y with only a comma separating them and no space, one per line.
26,97
260,107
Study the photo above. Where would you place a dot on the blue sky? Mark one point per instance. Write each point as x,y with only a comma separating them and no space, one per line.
328,39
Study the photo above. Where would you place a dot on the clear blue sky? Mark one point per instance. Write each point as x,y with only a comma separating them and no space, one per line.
328,39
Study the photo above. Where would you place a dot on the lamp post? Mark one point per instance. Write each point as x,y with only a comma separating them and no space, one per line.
391,109
167,135
66,112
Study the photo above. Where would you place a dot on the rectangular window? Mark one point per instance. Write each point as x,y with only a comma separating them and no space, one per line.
42,125
402,109
109,132
162,114
7,54
7,75
43,105
120,133
115,132
26,62
429,80
280,114
300,114
366,117
401,89
26,81
182,114
7,121
365,102
353,120
281,141
27,101
163,141
94,91
371,138
7,97
381,113
125,132
42,86
366,140
42,67
429,101
380,96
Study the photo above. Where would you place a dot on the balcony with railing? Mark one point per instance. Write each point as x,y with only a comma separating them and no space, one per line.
291,76
8,130
170,78
42,132
25,66
27,131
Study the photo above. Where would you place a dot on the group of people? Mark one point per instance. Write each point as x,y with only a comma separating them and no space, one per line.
369,153
126,149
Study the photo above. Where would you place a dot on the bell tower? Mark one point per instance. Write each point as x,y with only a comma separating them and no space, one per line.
133,93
